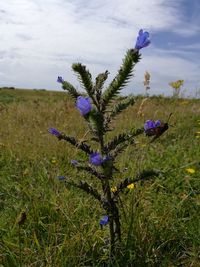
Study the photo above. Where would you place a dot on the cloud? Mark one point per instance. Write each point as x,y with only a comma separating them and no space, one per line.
41,39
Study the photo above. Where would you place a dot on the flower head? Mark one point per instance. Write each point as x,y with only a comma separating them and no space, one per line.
95,159
114,189
131,186
149,124
157,123
104,220
142,40
83,105
60,79
54,132
190,170
54,161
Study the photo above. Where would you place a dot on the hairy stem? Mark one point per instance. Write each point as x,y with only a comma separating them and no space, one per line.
114,222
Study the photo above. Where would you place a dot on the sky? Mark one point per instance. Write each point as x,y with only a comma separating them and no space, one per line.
41,39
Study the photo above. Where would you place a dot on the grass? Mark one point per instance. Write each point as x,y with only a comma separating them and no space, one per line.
161,225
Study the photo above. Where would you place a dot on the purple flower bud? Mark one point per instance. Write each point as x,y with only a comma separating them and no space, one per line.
61,177
60,79
54,132
142,40
74,162
157,123
104,220
83,105
106,158
149,125
95,159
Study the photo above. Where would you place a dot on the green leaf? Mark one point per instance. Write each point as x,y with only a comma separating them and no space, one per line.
142,176
118,108
84,77
123,139
123,76
91,171
96,120
80,145
87,188
70,88
100,80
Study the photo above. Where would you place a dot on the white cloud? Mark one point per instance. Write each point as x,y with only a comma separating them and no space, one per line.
41,39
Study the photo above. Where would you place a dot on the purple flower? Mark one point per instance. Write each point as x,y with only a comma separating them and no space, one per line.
149,124
95,159
74,162
142,40
104,220
61,177
106,158
54,132
83,105
60,79
157,123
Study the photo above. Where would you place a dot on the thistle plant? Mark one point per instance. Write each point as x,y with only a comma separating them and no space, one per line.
99,108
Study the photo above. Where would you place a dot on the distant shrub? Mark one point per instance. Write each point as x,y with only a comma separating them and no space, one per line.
7,88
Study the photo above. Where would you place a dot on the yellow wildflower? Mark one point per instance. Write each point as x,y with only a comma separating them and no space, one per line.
190,170
53,161
131,186
114,189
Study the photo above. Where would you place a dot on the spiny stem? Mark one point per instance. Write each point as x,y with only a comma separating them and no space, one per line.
107,193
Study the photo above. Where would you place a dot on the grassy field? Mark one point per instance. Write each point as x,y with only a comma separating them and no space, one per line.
161,219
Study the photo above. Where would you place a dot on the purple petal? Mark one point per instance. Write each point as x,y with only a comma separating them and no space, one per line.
104,220
157,123
83,105
142,40
95,159
60,79
54,132
149,124
146,43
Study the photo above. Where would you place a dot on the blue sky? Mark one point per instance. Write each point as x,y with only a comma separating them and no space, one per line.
41,39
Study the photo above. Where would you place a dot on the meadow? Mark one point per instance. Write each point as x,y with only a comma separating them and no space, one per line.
161,219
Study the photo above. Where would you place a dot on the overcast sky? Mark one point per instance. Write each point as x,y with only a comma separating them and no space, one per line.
40,39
